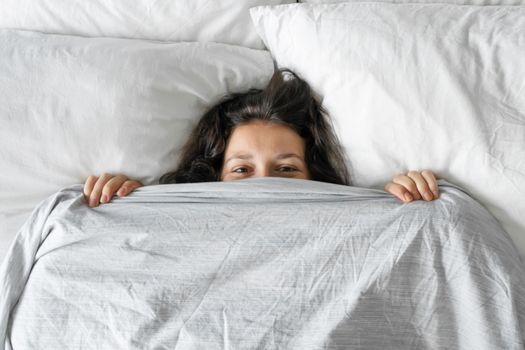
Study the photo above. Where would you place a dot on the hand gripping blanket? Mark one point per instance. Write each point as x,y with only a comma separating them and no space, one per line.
266,263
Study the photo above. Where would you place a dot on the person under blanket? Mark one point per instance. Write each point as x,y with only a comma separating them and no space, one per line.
281,130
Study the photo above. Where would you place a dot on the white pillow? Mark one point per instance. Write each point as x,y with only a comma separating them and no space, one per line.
74,106
225,21
458,2
413,87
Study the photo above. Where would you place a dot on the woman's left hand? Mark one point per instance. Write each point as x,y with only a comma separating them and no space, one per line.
413,186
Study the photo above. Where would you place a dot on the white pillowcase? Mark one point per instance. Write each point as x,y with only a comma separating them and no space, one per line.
224,21
413,87
74,106
458,2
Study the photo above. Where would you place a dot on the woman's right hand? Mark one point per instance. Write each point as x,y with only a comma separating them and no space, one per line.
101,189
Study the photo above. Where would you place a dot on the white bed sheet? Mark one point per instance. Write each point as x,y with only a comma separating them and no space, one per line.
10,223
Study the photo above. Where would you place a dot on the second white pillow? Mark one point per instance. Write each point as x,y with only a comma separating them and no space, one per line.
414,86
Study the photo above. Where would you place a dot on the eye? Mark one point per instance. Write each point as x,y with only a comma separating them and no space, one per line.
287,169
242,170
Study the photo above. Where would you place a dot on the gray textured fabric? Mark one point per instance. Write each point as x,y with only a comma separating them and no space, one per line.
265,263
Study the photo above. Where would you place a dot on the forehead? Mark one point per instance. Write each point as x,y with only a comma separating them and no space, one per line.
263,136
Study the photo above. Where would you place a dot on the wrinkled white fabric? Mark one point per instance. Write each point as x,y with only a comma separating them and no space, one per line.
74,106
458,2
267,263
10,223
415,86
224,21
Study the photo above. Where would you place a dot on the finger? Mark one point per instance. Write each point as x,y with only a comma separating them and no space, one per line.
88,186
422,185
111,187
128,187
399,191
432,182
409,185
94,198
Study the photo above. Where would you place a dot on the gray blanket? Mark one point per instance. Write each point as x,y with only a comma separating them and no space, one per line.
266,263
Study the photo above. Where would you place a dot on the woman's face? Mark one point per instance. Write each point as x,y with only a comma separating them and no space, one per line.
258,149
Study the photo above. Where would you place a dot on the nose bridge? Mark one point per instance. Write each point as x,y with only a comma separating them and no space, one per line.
263,169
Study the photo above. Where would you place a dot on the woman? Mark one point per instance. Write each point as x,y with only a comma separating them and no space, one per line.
279,131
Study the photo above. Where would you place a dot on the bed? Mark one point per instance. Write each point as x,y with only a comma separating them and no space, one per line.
93,87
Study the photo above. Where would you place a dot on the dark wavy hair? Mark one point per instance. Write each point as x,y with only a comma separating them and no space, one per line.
286,100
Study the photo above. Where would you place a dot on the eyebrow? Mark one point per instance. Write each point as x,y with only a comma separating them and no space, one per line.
249,156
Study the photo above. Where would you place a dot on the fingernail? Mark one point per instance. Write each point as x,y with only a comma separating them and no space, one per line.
104,198
436,194
92,202
427,196
408,197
